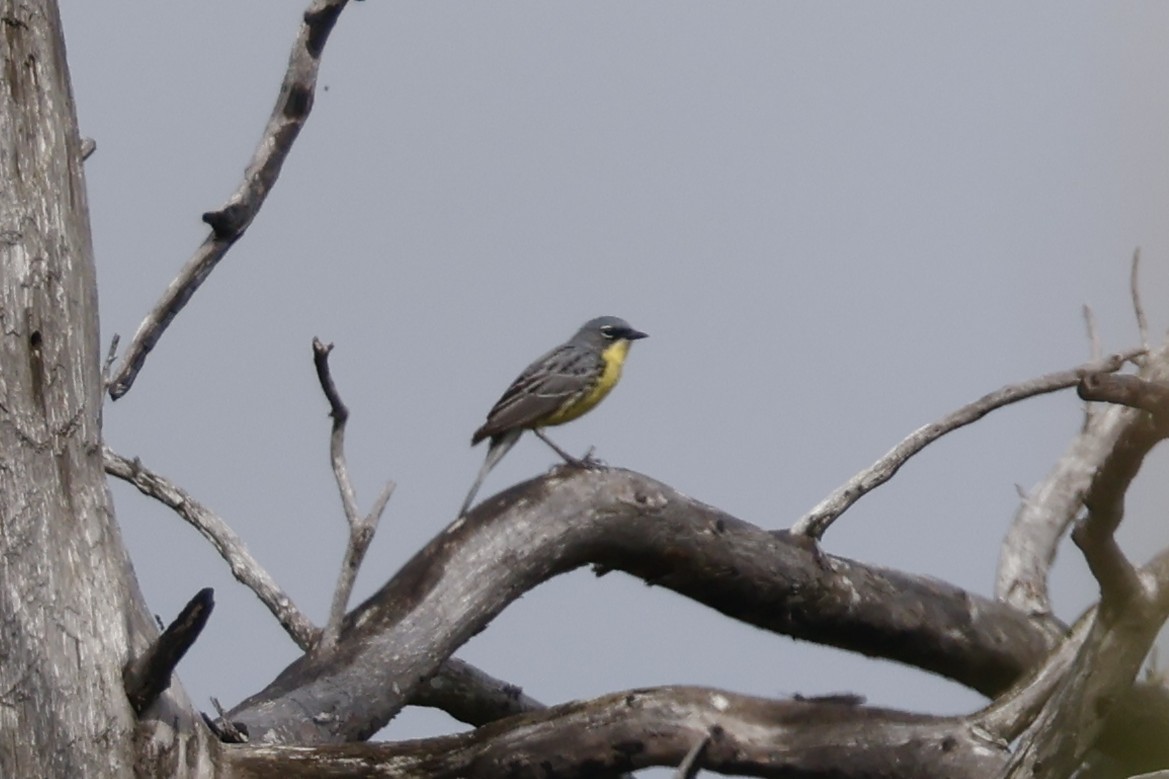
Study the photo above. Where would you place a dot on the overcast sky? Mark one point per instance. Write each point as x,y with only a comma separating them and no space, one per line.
837,221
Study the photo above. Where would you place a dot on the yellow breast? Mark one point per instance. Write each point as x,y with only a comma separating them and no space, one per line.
614,357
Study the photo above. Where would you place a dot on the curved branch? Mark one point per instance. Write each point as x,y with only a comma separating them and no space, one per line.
630,730
622,520
229,222
816,522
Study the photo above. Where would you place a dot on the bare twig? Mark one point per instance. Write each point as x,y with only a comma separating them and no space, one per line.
224,729
361,529
340,414
228,223
688,768
814,523
88,147
108,366
1137,307
1096,350
231,548
147,676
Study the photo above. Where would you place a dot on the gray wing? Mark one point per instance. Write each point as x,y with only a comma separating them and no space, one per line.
541,389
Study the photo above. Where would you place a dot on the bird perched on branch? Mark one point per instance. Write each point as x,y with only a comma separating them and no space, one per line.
557,388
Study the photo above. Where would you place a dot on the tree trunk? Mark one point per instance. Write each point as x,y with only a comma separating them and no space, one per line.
68,597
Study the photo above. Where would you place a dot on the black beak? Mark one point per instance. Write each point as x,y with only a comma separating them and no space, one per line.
633,335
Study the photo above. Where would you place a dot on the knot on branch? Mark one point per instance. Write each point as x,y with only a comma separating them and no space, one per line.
229,222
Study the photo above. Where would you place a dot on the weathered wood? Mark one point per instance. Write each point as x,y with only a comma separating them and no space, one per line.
63,571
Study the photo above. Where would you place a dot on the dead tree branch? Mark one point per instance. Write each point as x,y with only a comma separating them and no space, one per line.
1095,349
1029,547
1009,714
1028,550
1134,283
460,689
627,731
472,696
817,521
1075,716
229,222
1131,612
453,587
692,762
245,568
147,676
361,529
1132,391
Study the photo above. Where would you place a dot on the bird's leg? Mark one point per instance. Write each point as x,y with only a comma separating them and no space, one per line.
586,462
568,458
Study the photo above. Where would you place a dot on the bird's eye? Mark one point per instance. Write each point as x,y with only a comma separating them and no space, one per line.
607,330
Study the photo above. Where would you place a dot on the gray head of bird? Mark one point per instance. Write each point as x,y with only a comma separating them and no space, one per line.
606,329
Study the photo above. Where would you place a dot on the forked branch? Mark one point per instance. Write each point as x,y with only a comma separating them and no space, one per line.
361,529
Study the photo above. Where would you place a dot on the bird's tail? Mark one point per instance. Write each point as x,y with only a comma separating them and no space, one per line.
495,452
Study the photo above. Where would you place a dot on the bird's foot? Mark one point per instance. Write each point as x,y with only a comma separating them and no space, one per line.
591,462
588,462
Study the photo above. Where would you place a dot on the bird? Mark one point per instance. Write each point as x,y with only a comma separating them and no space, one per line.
566,383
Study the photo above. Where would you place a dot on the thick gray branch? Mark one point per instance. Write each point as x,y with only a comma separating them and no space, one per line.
659,727
622,520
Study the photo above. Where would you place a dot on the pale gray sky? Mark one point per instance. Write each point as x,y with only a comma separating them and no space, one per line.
837,222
